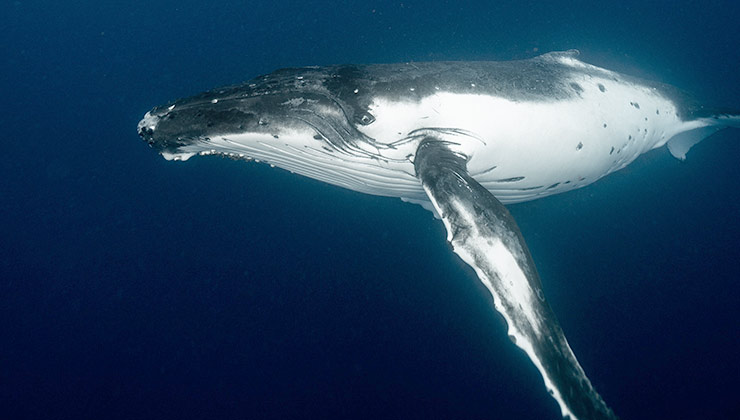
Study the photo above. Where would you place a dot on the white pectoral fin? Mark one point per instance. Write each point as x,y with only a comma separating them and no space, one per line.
697,131
486,237
680,144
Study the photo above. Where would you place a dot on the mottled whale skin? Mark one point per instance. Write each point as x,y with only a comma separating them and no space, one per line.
461,139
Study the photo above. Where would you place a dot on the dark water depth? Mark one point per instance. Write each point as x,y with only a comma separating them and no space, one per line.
135,288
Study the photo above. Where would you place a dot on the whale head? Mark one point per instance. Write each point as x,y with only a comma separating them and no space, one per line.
293,108
312,121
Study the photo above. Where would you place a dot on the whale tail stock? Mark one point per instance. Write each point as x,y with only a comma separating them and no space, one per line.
697,130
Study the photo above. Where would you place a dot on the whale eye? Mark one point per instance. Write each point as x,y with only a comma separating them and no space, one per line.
365,118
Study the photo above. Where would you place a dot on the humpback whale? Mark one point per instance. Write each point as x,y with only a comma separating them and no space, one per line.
462,139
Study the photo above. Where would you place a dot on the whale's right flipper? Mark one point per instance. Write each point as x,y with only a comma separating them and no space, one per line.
483,233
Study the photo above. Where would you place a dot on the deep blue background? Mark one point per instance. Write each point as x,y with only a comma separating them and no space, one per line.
132,287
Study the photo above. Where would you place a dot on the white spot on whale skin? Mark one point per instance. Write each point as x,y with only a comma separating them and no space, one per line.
294,102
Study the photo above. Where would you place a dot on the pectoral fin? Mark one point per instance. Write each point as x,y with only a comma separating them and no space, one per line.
697,130
483,233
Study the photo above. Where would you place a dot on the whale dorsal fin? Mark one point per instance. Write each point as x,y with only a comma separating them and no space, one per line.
483,233
572,53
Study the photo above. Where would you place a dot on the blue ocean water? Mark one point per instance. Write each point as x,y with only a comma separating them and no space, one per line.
132,287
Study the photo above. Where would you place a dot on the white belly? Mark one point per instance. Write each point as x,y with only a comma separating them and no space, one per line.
525,150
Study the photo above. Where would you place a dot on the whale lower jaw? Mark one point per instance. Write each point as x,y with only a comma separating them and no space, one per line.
293,153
